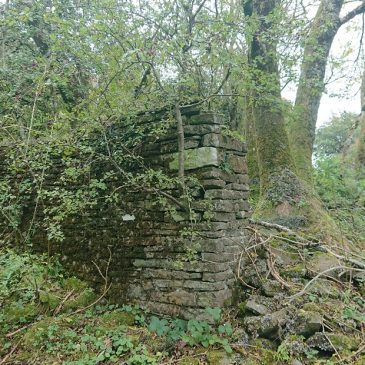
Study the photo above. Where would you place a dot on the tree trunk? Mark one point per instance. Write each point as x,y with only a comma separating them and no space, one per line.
311,85
284,198
267,122
272,144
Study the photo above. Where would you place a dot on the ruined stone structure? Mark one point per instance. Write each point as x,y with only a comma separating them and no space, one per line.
152,262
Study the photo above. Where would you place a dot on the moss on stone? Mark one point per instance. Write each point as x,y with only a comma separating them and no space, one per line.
343,343
218,357
189,360
117,318
81,300
298,270
73,283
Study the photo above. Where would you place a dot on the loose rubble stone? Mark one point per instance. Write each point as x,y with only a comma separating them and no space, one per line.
332,342
256,308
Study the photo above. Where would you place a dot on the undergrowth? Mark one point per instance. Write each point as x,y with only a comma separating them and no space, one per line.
42,321
48,317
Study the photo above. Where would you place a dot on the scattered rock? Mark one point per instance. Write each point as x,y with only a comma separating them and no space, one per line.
266,326
255,307
332,342
271,288
306,323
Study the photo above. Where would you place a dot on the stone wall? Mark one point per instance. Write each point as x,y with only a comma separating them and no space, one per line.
152,262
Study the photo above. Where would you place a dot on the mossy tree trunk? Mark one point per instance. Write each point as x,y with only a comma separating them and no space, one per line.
266,123
317,47
284,198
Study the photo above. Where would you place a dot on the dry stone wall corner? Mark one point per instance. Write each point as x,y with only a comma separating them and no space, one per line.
145,239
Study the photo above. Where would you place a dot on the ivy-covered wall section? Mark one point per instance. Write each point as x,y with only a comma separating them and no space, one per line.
118,215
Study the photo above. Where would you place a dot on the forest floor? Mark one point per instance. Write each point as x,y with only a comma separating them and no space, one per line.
49,317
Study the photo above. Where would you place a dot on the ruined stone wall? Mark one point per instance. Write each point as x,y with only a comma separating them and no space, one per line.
152,262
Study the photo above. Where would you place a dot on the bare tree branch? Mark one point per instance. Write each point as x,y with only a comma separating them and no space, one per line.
357,11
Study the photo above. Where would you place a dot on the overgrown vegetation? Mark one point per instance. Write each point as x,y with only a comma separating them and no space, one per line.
339,182
49,317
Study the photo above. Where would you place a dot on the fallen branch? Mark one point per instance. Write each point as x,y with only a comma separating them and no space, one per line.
318,276
11,334
7,356
59,307
275,273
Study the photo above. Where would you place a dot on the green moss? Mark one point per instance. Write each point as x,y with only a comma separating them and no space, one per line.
48,299
298,270
74,284
81,300
189,360
311,307
41,327
217,357
117,318
343,343
20,312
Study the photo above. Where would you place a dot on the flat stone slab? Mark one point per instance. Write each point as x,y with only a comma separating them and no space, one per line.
196,158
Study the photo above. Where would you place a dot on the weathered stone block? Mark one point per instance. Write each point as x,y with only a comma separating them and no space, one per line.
238,164
240,187
178,297
223,206
214,299
213,184
202,129
219,257
196,158
219,140
206,118
219,216
223,194
224,275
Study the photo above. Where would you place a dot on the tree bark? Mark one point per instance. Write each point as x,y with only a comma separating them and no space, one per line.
302,127
284,197
273,152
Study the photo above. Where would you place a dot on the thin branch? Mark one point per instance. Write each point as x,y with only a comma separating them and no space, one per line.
318,276
358,10
225,79
180,140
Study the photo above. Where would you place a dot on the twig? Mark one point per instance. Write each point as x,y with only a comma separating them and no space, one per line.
349,358
7,356
318,276
330,342
275,273
11,334
80,310
239,273
59,307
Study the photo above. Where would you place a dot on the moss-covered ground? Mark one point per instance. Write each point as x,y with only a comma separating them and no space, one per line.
48,317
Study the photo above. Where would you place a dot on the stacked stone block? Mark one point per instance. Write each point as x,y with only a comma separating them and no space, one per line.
149,261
